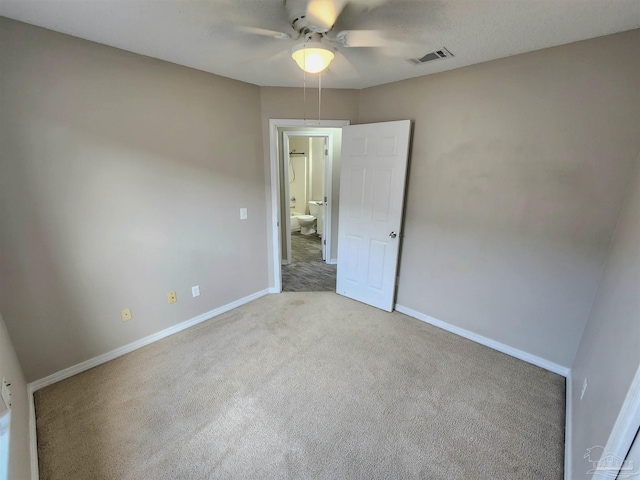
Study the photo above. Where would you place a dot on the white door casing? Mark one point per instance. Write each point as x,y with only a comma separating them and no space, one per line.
372,186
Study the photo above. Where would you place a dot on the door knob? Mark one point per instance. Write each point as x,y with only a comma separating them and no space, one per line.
393,234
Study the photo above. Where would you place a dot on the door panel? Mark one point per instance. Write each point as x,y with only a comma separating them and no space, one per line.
372,184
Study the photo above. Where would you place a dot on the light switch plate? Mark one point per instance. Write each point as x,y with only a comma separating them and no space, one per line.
195,291
243,214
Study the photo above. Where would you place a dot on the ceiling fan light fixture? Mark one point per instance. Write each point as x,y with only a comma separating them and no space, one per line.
312,57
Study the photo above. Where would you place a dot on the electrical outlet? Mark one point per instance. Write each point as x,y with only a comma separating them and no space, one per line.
195,291
125,314
6,393
243,214
584,388
172,297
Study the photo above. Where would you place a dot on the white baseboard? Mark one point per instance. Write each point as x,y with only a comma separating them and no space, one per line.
567,428
273,290
118,352
487,342
333,261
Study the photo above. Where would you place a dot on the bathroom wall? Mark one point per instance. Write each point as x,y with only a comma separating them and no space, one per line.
298,184
317,168
298,168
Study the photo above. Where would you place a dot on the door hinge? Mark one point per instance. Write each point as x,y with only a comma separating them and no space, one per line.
324,242
326,152
325,199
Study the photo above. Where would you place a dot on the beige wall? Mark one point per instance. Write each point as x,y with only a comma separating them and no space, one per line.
287,103
121,180
517,175
19,460
609,352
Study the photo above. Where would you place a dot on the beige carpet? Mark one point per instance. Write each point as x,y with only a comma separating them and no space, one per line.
305,385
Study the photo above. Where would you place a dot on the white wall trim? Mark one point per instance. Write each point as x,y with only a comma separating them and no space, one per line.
333,261
625,428
118,352
568,411
33,439
487,342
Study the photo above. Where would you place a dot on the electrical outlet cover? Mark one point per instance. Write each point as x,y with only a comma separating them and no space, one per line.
172,297
125,314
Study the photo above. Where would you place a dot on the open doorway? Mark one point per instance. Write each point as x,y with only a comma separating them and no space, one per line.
305,201
305,235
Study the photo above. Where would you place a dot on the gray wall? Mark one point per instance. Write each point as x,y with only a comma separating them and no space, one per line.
517,175
609,352
121,178
19,460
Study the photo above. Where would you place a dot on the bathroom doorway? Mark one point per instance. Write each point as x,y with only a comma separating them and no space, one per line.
305,260
305,200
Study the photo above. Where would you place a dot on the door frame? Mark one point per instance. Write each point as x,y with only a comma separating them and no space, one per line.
276,187
626,426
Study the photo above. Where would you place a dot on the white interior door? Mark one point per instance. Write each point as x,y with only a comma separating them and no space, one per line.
372,183
631,466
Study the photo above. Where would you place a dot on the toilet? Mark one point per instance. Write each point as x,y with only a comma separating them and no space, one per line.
308,223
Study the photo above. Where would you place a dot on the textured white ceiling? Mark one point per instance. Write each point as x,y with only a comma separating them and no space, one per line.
205,35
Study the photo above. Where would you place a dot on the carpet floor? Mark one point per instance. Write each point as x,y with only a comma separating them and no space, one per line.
305,385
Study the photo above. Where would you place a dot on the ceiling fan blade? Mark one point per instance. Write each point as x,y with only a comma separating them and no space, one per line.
368,4
265,32
324,13
266,56
362,38
376,39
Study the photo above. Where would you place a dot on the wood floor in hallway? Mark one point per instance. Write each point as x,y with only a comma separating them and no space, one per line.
307,272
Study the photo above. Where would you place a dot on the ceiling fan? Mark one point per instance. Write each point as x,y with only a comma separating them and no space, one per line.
313,22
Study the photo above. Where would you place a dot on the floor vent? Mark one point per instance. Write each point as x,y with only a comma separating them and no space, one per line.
431,56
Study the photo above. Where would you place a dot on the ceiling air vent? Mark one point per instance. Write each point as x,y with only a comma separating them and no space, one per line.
431,56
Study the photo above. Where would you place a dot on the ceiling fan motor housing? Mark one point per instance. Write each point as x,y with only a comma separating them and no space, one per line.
297,10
